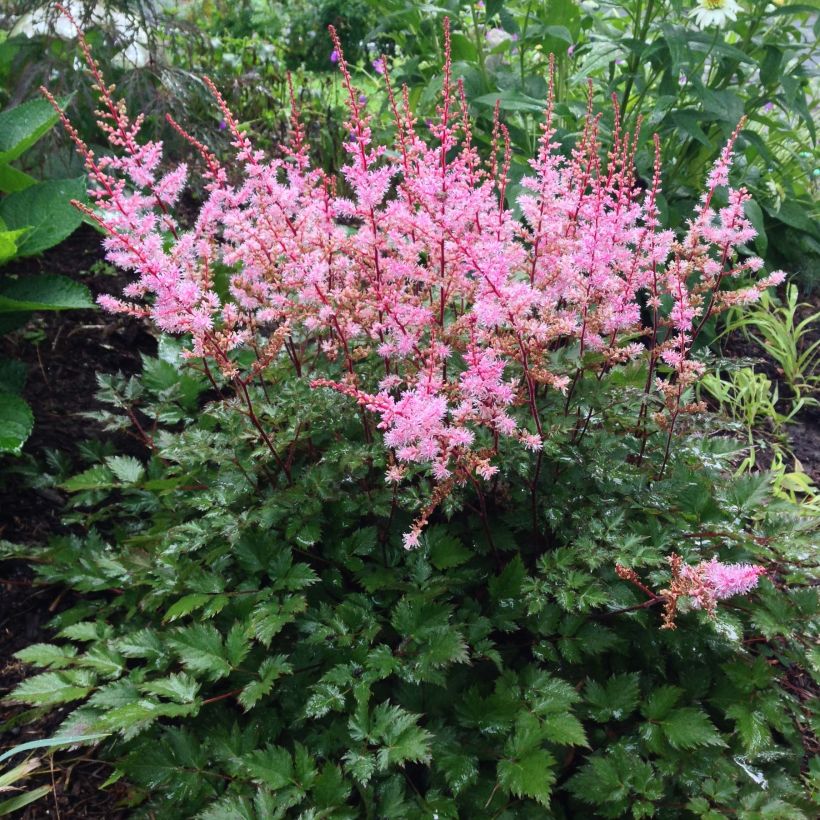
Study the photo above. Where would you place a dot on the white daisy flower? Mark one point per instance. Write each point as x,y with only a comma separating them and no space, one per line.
714,12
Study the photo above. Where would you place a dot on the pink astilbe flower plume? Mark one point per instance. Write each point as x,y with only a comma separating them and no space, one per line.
706,583
413,258
703,585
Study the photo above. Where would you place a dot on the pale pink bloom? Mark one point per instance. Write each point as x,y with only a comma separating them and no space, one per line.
462,304
711,581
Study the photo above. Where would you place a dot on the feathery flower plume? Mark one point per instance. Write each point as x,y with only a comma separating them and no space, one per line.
461,304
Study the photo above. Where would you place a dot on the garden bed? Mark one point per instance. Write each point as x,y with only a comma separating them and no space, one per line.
63,352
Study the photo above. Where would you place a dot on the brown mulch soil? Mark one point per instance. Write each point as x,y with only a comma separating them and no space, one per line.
63,352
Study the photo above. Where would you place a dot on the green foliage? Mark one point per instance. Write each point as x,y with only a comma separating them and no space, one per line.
16,422
262,647
11,780
44,211
780,331
44,292
22,126
33,217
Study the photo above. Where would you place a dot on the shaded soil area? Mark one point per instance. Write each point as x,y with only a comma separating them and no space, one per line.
63,352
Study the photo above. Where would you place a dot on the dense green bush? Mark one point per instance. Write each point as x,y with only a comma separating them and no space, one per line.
251,639
259,648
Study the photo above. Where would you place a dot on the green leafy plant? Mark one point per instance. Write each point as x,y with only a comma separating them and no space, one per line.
34,216
751,399
257,647
781,334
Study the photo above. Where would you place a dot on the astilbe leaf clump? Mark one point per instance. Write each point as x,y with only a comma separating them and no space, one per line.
255,636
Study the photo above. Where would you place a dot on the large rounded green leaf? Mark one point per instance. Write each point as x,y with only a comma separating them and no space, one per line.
46,292
46,209
22,126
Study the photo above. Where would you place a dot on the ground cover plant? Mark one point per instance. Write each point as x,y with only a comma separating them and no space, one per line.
431,522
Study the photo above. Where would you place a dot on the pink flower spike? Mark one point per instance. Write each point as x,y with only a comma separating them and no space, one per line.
731,579
410,277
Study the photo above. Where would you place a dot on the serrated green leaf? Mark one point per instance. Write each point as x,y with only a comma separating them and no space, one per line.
270,617
86,631
614,700
48,655
201,651
660,703
127,469
272,766
531,775
751,726
269,672
237,644
178,687
16,423
689,728
330,788
565,730
229,807
446,551
103,659
98,477
51,688
185,606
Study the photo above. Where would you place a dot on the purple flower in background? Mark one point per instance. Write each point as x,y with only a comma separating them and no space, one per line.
480,4
769,107
378,66
334,56
222,125
571,50
682,79
362,99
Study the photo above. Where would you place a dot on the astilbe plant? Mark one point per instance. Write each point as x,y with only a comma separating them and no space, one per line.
461,302
252,636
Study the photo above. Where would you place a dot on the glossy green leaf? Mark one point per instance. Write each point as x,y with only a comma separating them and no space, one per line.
46,210
44,292
16,423
22,126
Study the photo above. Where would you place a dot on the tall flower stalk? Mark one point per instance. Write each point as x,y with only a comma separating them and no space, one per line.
414,259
